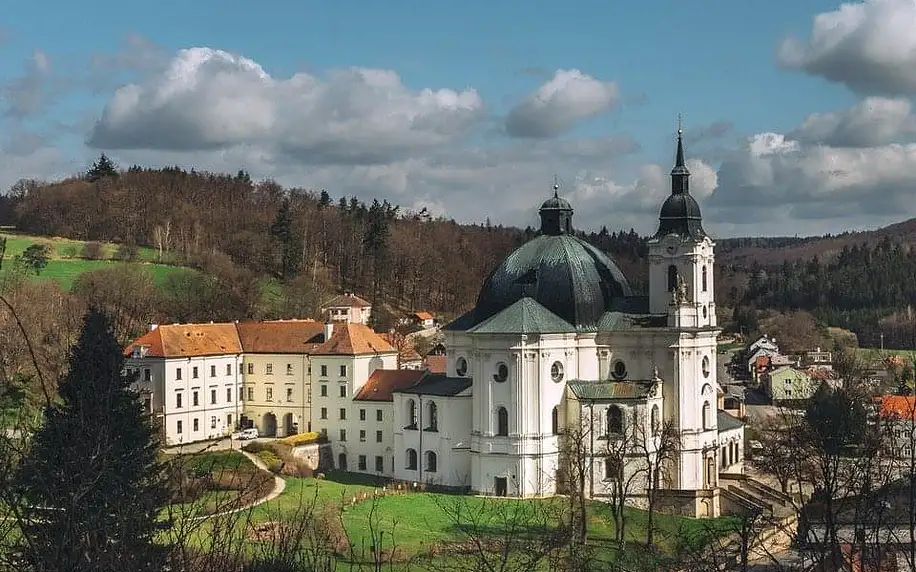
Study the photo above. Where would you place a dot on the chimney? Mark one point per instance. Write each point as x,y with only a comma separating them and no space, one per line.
328,330
152,327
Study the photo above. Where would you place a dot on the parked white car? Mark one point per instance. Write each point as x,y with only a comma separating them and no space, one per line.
246,434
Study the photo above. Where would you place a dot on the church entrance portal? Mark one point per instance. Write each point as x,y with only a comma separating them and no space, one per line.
501,486
270,425
289,427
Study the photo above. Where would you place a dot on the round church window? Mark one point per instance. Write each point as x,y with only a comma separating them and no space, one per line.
556,372
705,366
502,372
461,367
620,370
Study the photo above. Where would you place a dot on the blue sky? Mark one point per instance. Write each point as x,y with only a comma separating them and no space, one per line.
747,75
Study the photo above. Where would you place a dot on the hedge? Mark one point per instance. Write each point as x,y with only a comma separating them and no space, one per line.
301,439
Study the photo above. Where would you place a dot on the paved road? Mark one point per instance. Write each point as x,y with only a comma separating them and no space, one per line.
224,444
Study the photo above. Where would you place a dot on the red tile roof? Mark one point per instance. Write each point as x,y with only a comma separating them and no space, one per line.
281,336
346,300
436,364
383,382
898,407
424,316
189,340
353,339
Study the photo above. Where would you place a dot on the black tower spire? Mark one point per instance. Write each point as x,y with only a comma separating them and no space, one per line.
680,213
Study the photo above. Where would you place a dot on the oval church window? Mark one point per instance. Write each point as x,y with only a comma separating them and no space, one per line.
502,372
556,372
461,367
620,370
705,366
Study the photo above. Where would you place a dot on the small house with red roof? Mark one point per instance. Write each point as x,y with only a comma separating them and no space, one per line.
347,307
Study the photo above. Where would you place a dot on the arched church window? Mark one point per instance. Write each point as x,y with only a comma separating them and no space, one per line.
461,367
411,414
620,370
704,278
556,372
555,420
614,420
705,366
411,460
433,417
707,416
502,373
502,422
672,278
656,421
431,461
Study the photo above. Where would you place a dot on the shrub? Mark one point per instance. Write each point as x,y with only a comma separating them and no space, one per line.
126,252
301,439
271,460
256,447
92,250
69,251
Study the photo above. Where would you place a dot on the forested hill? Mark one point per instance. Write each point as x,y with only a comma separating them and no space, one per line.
406,259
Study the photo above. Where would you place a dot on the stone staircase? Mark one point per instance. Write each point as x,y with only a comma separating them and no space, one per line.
775,526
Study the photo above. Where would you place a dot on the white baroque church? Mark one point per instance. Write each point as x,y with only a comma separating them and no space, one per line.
558,345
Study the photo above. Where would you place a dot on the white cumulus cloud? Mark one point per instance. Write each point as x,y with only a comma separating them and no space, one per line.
868,46
211,99
557,105
873,121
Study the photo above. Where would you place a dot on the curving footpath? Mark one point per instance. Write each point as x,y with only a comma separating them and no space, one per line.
279,487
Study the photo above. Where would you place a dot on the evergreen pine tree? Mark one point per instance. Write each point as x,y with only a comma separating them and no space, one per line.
91,481
284,232
103,167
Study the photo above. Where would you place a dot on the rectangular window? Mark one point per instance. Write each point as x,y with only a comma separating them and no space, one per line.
289,369
324,371
194,400
212,371
379,464
289,393
270,394
228,369
343,371
324,391
343,390
228,395
212,397
228,420
378,415
343,413
194,372
270,369
177,401
178,427
196,424
250,368
178,374
378,436
362,414
324,412
362,435
362,463
343,434
324,432
147,375
250,394
213,422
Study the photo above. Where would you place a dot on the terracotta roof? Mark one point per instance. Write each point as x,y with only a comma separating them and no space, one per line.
407,351
189,340
898,406
281,336
423,316
436,364
353,339
383,382
346,301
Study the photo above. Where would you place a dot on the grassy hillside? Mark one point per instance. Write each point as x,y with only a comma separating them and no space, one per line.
66,263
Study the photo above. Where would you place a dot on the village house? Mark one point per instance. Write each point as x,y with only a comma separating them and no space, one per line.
424,319
191,374
276,388
348,308
787,383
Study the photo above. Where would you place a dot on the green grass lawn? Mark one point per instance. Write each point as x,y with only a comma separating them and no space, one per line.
872,354
66,248
65,272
